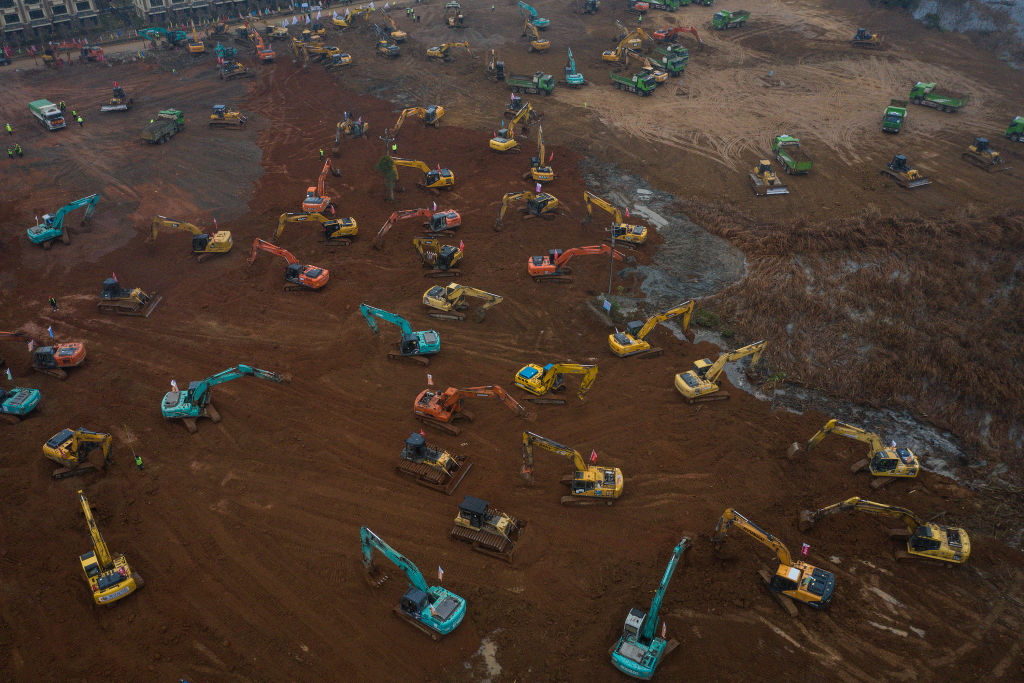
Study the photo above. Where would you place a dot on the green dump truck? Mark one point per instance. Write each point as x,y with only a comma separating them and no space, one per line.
895,115
927,95
165,125
726,19
641,84
1016,129
793,159
538,83
671,58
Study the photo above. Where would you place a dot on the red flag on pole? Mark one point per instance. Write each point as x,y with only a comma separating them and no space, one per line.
663,630
552,157
593,457
804,549
423,434
627,212
461,245
114,275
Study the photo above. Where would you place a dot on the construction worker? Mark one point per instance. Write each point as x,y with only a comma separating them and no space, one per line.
138,462
74,113
10,131
61,106
79,121
18,150
53,303
321,154
10,152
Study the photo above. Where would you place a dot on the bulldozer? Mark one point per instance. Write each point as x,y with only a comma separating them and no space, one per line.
417,346
983,156
296,275
794,579
453,16
116,299
226,118
538,205
70,449
588,484
433,179
633,340
553,268
624,233
232,69
765,181
432,466
924,539
442,52
449,302
885,463
487,529
541,380
866,40
119,101
203,244
438,222
701,383
442,259
899,170
336,231
439,409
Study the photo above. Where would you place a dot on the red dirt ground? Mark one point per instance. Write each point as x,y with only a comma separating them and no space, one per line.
247,532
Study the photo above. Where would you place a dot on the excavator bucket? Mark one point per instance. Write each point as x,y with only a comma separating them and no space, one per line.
793,449
806,520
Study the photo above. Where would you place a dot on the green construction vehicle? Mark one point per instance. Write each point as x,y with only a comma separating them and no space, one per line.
926,95
726,19
895,115
641,84
671,58
1016,129
167,123
538,83
793,159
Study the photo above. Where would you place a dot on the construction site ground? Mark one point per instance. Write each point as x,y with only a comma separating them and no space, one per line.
247,533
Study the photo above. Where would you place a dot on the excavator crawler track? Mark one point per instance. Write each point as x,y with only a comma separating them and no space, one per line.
52,372
784,602
10,419
708,398
648,353
68,472
580,501
422,360
338,242
447,315
441,426
547,401
434,635
556,279
879,482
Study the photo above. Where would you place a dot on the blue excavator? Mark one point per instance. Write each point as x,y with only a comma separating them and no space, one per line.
194,403
532,16
17,402
52,228
155,33
640,650
414,345
434,610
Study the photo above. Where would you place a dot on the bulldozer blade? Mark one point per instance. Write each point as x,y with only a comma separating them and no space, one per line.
454,483
777,189
114,107
547,401
153,303
422,360
806,520
784,602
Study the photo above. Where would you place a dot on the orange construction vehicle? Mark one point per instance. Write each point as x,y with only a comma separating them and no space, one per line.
296,275
316,201
263,53
440,408
669,33
438,222
552,268
53,359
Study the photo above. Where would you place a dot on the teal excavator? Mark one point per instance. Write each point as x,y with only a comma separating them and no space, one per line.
173,37
640,650
194,403
432,609
415,345
52,228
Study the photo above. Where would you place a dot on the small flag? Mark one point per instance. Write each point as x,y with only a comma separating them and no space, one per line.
804,549
538,187
430,380
663,630
435,205
9,378
440,573
423,434
50,330
552,157
607,305
113,275
439,168
462,245
593,457
627,212
31,345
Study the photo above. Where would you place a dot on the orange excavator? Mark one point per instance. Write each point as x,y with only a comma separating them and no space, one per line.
265,54
316,201
53,359
440,408
669,33
296,275
438,222
552,268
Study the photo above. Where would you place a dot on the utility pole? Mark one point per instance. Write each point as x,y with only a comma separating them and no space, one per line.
388,140
611,263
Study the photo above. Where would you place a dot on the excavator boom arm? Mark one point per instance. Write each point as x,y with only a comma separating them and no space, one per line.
82,436
684,309
171,224
595,250
98,544
487,392
490,300
370,540
88,202
732,518
529,439
755,350
263,245
371,312
849,431
651,623
909,518
234,373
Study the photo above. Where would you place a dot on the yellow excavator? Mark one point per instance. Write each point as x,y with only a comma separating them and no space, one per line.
540,380
538,204
448,302
351,14
70,449
924,539
633,340
537,44
430,116
336,231
540,170
442,52
433,179
442,259
765,181
633,40
588,484
504,139
794,579
203,244
631,235
885,462
396,33
110,578
701,383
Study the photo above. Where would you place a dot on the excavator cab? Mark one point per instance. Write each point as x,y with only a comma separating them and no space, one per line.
813,588
439,178
433,115
199,242
539,203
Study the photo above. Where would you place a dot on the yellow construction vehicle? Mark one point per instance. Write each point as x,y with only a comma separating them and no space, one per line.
330,56
862,38
983,156
195,45
336,231
701,383
126,300
645,65
588,484
627,233
487,529
203,244
433,179
432,466
504,139
443,259
396,33
453,16
633,340
442,52
539,380
70,449
886,462
924,539
621,33
277,33
764,180
354,128
537,44
351,14
540,170
448,302
795,579
110,578
430,116
228,118
900,170
539,204
632,40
